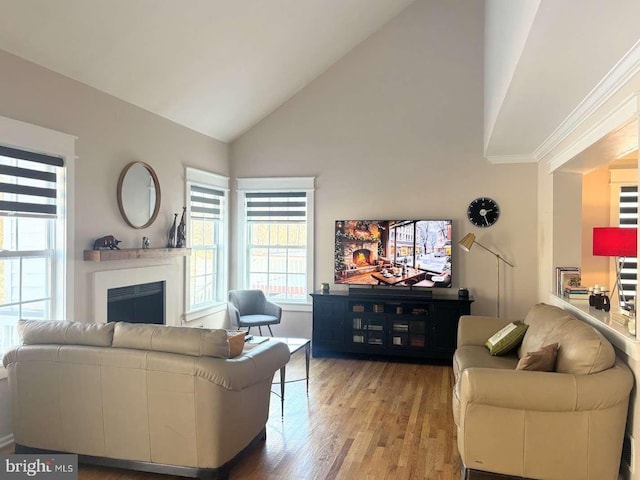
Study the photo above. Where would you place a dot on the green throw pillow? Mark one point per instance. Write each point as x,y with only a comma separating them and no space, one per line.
507,338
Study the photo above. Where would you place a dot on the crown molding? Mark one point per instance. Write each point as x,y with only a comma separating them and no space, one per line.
505,159
626,68
617,118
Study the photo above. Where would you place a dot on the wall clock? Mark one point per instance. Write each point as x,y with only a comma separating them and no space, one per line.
483,212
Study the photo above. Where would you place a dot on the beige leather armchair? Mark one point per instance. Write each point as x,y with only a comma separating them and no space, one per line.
562,425
146,397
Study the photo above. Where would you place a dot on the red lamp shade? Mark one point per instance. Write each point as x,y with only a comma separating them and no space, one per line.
615,242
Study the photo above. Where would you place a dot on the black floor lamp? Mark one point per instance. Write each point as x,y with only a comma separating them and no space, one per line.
467,242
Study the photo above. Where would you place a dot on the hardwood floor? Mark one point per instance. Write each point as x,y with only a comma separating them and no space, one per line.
361,420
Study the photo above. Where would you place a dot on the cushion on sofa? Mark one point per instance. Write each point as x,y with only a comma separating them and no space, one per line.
477,356
65,333
583,349
197,342
543,360
507,338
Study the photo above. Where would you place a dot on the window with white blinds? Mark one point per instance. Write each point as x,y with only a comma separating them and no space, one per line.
276,228
628,217
207,214
31,186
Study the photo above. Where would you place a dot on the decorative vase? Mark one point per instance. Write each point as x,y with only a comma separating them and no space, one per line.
171,241
181,239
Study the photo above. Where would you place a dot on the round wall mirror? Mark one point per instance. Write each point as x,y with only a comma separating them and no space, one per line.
138,195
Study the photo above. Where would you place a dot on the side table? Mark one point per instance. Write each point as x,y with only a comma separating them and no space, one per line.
295,345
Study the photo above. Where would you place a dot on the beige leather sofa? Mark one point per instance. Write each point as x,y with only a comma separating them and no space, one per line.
562,425
146,397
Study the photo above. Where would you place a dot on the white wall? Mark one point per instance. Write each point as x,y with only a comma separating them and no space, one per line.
507,25
394,130
567,219
111,133
595,213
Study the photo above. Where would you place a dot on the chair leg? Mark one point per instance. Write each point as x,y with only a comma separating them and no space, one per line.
260,330
269,326
248,330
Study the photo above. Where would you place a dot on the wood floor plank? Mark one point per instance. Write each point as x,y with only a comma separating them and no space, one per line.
361,420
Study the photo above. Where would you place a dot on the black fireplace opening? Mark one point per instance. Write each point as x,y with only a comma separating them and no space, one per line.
143,303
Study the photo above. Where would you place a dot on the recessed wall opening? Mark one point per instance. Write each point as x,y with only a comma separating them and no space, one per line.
598,187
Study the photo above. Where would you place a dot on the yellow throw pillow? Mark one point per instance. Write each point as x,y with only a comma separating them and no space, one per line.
507,338
544,360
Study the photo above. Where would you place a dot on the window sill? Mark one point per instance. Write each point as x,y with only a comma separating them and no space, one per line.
203,312
295,307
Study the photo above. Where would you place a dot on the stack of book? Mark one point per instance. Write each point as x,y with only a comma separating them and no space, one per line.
576,293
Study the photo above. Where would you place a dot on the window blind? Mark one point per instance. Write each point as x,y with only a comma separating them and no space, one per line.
276,206
628,217
27,182
206,203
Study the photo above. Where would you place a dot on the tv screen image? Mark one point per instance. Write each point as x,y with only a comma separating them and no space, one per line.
393,252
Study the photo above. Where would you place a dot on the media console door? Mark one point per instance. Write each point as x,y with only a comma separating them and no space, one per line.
406,325
328,323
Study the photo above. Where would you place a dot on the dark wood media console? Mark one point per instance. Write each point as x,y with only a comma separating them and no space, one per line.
395,324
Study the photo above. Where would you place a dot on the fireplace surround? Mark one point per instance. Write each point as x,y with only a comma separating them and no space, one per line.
113,279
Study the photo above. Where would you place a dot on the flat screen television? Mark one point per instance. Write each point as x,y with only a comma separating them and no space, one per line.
393,253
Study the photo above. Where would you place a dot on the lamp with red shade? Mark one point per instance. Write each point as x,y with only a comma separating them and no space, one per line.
616,242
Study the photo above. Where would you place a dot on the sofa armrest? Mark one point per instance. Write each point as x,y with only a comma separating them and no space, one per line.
253,366
544,391
477,329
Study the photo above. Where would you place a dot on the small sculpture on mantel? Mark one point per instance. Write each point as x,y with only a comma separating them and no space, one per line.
145,243
171,241
108,241
181,238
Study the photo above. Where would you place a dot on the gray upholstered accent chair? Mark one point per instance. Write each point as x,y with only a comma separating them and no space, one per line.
250,308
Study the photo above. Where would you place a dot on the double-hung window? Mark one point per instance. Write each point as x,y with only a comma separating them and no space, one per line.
624,213
628,218
32,239
276,232
207,227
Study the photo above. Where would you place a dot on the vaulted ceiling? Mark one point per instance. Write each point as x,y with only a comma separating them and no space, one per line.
215,66
220,66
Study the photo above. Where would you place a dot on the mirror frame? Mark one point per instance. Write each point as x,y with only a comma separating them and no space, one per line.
156,183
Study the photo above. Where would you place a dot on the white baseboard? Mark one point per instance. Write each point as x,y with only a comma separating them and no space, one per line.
4,441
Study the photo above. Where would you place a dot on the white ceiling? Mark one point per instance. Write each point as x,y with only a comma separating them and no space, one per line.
215,66
221,66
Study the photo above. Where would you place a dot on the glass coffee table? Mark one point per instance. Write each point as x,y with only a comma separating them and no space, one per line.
295,345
